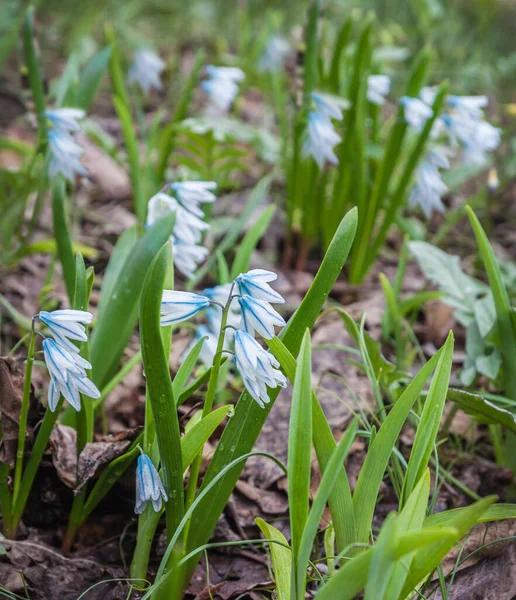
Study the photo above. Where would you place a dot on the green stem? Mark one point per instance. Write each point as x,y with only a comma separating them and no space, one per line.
147,523
32,465
208,404
24,413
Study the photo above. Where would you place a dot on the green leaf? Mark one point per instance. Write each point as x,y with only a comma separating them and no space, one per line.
504,321
373,469
340,501
186,368
195,438
251,239
329,478
300,456
159,388
382,560
91,77
427,559
482,409
243,429
117,319
281,558
429,422
62,235
495,512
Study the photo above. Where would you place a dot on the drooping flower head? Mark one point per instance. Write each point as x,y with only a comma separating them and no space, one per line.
416,112
378,87
222,86
64,151
191,194
257,367
149,487
429,186
274,55
65,325
67,375
146,70
180,306
259,316
471,106
255,283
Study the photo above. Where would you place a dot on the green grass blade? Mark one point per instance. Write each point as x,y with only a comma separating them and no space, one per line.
244,427
482,409
340,500
348,580
328,481
429,422
496,512
91,77
504,322
281,559
117,319
427,559
382,560
300,456
186,368
251,239
159,387
62,235
373,469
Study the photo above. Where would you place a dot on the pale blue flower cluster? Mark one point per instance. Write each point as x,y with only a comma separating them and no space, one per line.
149,487
274,55
464,129
66,367
189,227
256,366
64,151
321,136
378,87
429,186
146,70
222,86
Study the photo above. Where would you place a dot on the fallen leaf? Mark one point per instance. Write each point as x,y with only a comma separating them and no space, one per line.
64,453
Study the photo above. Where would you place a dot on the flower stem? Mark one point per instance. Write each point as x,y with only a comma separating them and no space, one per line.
24,413
208,404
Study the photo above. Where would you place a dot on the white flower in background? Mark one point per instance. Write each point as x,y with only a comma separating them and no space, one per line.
257,367
222,86
429,187
416,112
255,284
220,294
180,306
476,137
64,151
67,375
320,140
328,106
191,194
189,226
378,86
187,257
259,316
149,487
65,325
146,70
274,55
471,106
428,94
209,347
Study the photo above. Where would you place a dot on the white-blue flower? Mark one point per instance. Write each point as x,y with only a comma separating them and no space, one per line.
188,228
65,325
274,55
257,367
208,348
328,106
222,85
429,186
220,294
378,87
146,70
476,137
255,284
320,140
187,257
177,307
149,487
259,316
64,152
416,112
67,375
191,194
471,106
